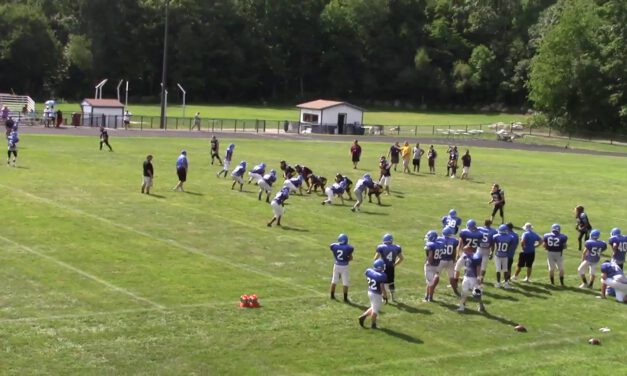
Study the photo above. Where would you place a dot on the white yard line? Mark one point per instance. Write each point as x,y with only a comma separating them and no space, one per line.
170,242
122,312
82,272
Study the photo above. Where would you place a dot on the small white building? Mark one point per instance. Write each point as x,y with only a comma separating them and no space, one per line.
107,112
333,115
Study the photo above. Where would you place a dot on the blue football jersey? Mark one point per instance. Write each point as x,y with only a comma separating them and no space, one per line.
449,245
594,249
471,238
502,243
338,188
269,178
619,248
555,242
437,249
513,245
259,169
238,171
280,197
529,239
487,238
453,222
389,253
297,181
471,262
611,269
375,279
341,253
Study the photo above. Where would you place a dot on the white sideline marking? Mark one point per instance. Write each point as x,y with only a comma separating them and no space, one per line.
83,273
176,308
484,351
173,242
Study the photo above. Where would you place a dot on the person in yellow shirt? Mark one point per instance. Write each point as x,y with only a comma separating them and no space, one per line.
406,155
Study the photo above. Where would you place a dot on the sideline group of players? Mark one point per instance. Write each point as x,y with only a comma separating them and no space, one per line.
459,254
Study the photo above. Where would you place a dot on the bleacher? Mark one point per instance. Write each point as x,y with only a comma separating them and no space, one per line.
15,103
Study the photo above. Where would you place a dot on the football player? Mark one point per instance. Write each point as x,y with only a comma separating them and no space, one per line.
376,191
502,243
451,220
376,279
555,244
618,243
392,256
228,156
278,206
448,256
386,175
315,182
433,250
257,172
349,184
306,173
613,276
498,199
470,236
336,189
486,246
238,175
513,246
590,258
362,184
470,262
342,255
529,241
288,171
583,225
265,184
294,184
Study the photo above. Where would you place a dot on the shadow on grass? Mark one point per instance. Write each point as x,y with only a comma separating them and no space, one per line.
155,196
356,305
373,213
585,291
22,167
399,335
531,288
288,228
486,314
194,193
500,297
411,309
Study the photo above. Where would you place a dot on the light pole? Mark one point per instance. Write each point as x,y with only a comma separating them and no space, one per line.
165,65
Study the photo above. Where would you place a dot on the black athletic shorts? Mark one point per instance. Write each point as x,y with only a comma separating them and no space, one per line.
416,162
389,272
182,173
525,260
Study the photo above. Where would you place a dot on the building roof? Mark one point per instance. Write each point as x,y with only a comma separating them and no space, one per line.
112,103
321,104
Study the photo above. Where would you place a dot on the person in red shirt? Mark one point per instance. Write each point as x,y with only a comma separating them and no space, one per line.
355,153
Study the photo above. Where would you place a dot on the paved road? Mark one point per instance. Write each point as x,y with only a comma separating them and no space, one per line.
461,143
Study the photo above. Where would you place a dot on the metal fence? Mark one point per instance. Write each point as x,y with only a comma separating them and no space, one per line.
500,131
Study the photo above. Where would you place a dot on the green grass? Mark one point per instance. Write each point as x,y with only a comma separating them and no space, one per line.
98,279
374,116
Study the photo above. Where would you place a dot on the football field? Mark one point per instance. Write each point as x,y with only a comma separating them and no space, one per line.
96,278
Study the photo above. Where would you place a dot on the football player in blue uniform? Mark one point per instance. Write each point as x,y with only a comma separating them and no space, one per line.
555,243
294,184
342,255
392,256
613,276
349,184
228,157
12,140
257,172
238,175
265,184
529,242
513,246
360,187
376,279
486,246
278,206
448,257
591,257
336,189
452,220
433,251
618,244
502,243
470,262
471,236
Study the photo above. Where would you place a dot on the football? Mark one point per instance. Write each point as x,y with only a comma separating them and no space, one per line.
520,328
594,341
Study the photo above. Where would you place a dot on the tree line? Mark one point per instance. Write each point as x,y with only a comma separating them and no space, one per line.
565,58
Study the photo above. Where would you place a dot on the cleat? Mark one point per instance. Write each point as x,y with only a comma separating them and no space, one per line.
482,308
361,321
506,286
461,308
526,279
373,326
497,285
583,286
